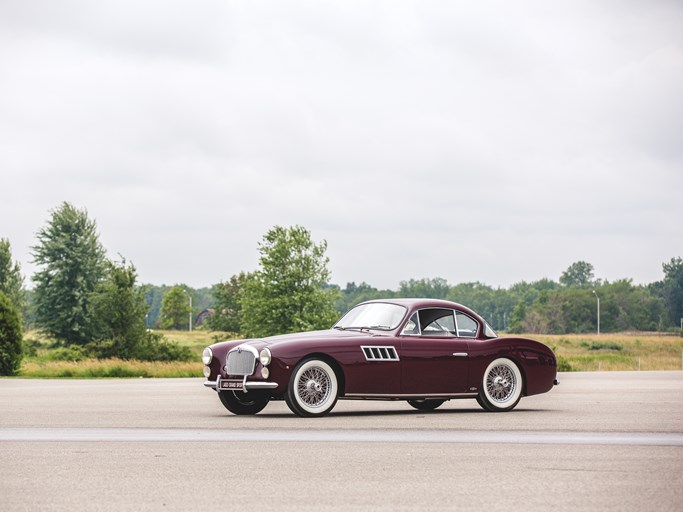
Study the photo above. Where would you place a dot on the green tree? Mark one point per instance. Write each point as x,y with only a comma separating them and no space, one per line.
288,293
175,309
118,311
578,275
517,317
72,261
672,289
10,337
436,288
354,294
227,306
11,279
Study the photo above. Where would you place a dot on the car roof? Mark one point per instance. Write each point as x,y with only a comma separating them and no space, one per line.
422,303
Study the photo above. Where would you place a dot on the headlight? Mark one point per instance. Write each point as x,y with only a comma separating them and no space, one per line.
207,355
265,372
265,357
207,372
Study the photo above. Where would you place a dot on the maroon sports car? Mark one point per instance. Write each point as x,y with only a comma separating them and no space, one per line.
420,350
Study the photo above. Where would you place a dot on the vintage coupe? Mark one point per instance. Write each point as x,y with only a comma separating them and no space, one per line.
420,350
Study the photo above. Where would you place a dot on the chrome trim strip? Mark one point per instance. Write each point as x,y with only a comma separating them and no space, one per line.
261,385
413,395
460,354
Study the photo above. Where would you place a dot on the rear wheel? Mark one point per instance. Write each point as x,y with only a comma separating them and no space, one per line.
501,387
239,402
312,389
425,405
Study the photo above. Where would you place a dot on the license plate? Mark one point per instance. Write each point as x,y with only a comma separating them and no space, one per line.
231,384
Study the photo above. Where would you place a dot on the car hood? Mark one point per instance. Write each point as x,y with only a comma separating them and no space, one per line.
299,337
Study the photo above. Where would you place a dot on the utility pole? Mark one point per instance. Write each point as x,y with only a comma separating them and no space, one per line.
596,296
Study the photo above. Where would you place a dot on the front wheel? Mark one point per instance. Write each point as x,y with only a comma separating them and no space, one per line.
239,402
501,387
312,388
425,405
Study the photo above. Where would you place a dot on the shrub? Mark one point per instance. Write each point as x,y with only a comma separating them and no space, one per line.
606,345
31,347
563,365
11,350
157,348
152,347
70,353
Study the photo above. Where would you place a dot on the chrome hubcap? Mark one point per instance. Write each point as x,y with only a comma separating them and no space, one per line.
313,387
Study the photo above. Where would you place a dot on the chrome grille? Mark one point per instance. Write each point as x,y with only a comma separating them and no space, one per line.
241,361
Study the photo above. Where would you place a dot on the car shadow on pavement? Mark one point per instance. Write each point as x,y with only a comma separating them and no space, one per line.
408,412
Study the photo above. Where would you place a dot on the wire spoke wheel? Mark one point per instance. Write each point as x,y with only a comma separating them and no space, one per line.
312,389
501,383
501,387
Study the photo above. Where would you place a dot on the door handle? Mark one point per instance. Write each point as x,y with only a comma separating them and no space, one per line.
460,354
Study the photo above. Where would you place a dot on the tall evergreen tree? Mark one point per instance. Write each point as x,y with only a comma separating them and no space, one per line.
288,293
72,261
11,279
10,337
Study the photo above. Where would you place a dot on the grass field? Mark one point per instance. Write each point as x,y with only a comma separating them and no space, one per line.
575,352
616,352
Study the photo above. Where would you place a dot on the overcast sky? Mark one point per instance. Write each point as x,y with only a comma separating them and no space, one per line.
474,141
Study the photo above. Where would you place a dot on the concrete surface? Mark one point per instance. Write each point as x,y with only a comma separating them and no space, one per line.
599,441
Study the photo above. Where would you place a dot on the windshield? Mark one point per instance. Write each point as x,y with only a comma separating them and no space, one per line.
376,315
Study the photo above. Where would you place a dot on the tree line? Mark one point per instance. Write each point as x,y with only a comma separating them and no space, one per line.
93,305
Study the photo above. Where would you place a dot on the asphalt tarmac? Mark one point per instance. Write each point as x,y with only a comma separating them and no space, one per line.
599,441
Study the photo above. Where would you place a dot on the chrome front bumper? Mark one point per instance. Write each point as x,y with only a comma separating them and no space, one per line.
234,384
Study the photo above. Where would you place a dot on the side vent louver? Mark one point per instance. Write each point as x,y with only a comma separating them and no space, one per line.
376,353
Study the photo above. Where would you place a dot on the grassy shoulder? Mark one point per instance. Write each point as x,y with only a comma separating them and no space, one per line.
576,352
615,351
45,362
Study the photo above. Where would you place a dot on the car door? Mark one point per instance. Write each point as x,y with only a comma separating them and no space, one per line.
434,360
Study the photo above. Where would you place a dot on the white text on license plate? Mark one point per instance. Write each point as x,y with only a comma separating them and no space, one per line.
231,384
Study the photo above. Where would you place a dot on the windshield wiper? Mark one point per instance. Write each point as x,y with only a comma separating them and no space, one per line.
363,328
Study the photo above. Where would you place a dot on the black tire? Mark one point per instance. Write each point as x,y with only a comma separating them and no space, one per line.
501,387
241,403
313,388
425,405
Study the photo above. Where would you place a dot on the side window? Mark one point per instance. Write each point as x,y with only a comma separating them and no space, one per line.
412,327
467,326
437,322
442,323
